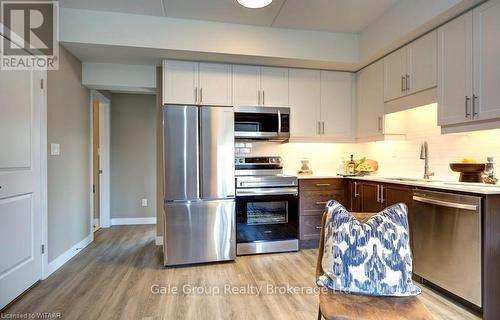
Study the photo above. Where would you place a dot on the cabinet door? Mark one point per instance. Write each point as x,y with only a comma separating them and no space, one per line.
310,227
394,71
246,85
305,99
354,196
455,70
486,60
370,111
369,197
337,90
274,86
215,84
422,63
180,82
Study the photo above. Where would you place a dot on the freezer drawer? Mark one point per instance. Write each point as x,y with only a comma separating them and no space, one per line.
199,231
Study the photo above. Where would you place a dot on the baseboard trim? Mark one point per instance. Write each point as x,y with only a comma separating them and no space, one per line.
131,221
159,240
66,256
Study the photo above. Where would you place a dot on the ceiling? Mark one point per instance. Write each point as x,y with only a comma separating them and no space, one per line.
350,16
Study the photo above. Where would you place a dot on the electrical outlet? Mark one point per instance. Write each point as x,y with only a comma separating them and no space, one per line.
144,202
55,149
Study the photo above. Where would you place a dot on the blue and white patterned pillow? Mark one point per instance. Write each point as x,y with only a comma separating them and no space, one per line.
372,258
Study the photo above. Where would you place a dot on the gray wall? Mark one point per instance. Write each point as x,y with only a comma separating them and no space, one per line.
68,176
133,155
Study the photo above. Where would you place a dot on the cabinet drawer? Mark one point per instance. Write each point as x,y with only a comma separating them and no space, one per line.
310,227
321,184
313,202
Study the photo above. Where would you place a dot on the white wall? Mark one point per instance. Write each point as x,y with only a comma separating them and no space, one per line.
151,32
396,158
119,77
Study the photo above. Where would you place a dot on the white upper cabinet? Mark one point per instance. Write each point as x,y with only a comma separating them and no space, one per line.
180,82
274,86
395,75
370,101
486,44
305,102
246,85
337,95
455,71
422,63
411,69
215,84
196,83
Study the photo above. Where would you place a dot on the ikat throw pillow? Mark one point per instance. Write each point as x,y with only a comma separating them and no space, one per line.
372,257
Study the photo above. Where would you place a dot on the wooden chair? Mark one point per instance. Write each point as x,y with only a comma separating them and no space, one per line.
342,306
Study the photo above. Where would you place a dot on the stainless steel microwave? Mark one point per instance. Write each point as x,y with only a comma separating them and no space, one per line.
262,123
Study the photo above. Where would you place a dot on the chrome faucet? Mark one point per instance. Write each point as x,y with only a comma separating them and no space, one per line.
424,155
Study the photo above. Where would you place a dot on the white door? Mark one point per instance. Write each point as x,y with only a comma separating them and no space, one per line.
337,89
422,63
274,86
305,100
180,82
455,71
487,60
21,107
246,85
394,72
370,112
215,84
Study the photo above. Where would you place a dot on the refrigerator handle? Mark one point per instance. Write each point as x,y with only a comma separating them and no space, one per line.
200,153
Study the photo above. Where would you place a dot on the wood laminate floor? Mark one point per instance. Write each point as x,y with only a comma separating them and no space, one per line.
119,274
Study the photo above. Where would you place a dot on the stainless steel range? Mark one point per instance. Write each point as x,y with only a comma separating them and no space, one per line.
266,206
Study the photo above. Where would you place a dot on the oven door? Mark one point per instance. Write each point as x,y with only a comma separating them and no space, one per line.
266,217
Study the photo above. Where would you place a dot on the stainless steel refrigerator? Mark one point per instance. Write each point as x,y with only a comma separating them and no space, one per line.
199,220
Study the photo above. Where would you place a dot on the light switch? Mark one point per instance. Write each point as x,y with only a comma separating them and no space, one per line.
144,202
55,149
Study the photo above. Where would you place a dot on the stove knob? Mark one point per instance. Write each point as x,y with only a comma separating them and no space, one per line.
240,160
272,160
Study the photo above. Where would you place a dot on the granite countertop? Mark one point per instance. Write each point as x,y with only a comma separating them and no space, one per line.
479,188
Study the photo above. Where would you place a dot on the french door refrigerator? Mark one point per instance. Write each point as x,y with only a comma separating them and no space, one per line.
199,189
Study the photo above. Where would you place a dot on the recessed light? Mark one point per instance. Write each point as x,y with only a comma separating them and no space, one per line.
255,4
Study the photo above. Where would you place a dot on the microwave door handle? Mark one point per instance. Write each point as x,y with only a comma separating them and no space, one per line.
279,123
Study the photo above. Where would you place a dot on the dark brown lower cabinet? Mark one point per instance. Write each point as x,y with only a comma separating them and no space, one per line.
313,197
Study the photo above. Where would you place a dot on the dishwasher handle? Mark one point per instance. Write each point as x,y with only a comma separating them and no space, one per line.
446,203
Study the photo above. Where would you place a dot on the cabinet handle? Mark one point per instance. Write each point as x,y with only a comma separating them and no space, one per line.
322,127
201,94
467,101
407,82
378,193
379,124
402,83
321,203
381,194
474,104
319,128
263,97
195,94
356,190
258,97
322,184
319,228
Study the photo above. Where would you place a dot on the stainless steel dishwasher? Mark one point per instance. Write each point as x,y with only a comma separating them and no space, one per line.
447,242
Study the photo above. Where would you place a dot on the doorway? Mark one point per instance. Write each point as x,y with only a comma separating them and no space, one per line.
100,106
96,139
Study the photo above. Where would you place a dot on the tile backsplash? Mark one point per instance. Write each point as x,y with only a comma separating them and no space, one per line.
396,158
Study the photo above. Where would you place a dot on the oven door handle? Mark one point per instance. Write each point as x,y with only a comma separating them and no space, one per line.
267,191
256,185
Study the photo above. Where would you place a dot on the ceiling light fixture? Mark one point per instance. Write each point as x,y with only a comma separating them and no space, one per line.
255,4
